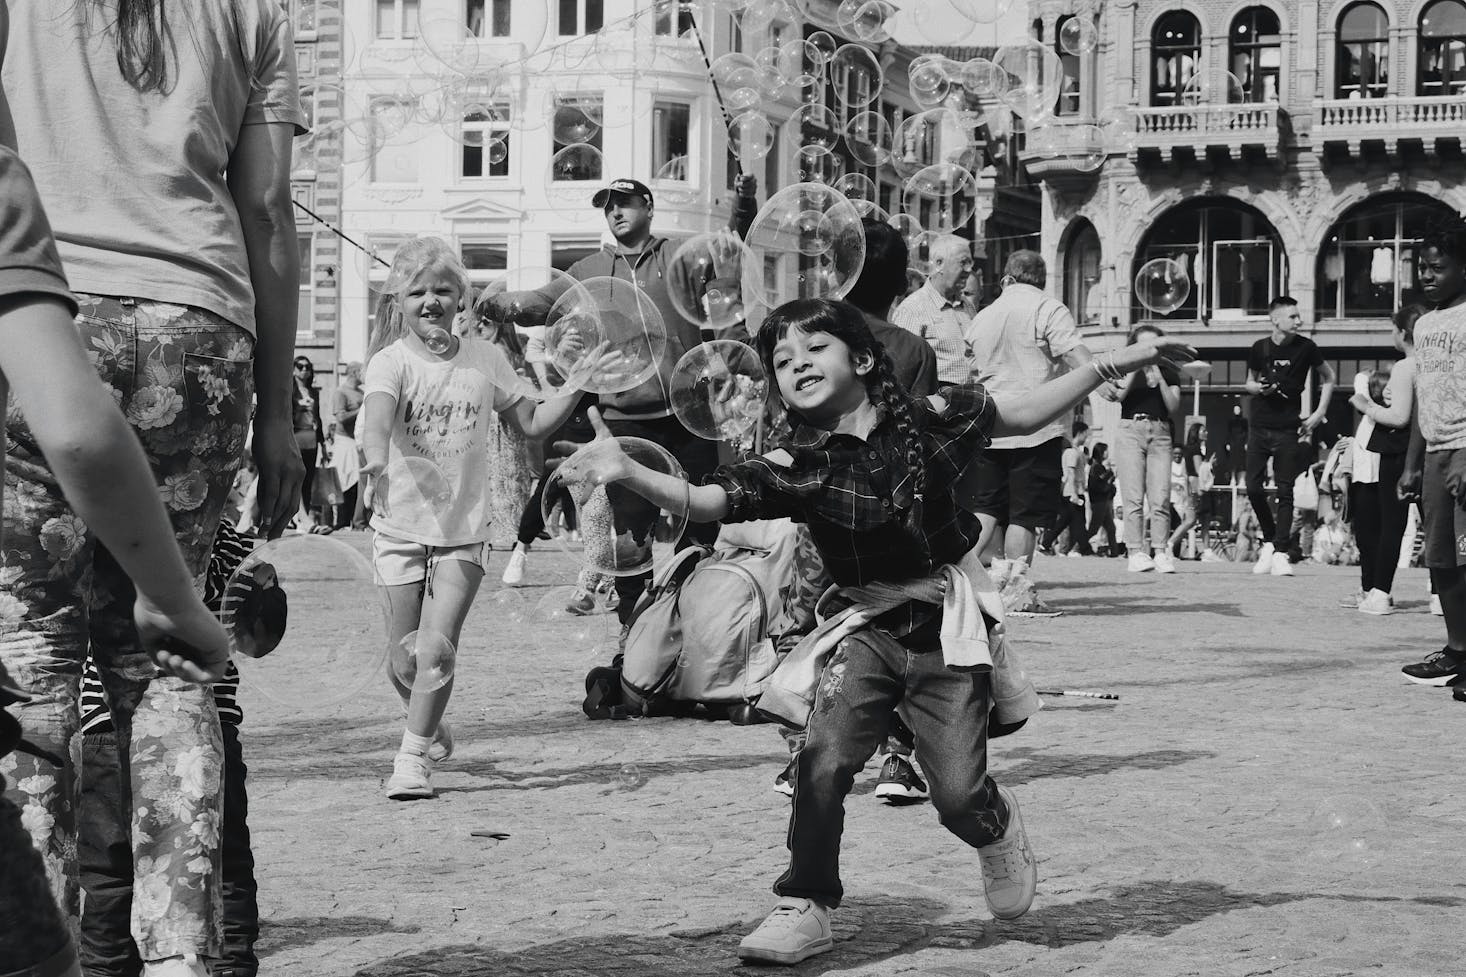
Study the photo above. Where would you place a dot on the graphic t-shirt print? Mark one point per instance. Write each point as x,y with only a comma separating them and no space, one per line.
1440,377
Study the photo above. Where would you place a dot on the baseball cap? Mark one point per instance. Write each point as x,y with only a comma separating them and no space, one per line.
623,185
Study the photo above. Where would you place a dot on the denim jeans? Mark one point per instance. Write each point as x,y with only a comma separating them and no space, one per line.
184,379
1281,445
868,676
105,854
1142,458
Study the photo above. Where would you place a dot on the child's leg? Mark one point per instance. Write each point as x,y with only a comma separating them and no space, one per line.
241,908
104,856
852,710
451,587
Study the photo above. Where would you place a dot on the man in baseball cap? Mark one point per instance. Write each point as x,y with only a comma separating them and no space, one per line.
628,208
634,188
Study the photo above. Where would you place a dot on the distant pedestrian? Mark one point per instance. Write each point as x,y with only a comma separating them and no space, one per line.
935,311
1102,499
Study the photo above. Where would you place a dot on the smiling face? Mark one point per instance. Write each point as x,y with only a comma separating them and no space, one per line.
1441,277
430,302
820,376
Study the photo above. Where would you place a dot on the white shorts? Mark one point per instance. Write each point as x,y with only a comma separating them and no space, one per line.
400,561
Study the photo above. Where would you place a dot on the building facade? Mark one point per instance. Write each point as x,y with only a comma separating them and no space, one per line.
1268,148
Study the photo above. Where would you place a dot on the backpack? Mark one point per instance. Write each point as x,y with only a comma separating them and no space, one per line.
699,635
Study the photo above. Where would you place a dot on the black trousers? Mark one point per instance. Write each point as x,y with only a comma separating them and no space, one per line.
1101,516
1379,524
104,851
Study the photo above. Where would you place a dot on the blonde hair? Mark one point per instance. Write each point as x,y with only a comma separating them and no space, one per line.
415,258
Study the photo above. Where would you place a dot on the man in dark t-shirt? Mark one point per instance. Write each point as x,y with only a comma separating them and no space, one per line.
1278,368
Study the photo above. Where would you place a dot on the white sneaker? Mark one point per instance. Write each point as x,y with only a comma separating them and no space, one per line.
796,930
1376,602
1435,605
1140,563
410,778
1165,562
442,746
514,572
1009,871
1264,562
1000,571
1282,566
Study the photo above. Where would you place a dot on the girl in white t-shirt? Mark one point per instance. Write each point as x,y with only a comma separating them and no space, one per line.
425,435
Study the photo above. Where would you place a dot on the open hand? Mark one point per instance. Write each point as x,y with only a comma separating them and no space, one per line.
600,462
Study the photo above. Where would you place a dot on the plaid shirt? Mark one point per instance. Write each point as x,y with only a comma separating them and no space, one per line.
943,324
854,495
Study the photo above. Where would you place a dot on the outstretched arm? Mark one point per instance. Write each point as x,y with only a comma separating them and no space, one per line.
604,462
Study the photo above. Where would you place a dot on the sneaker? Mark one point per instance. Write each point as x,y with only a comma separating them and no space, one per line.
187,965
1376,602
1164,562
1282,566
1353,601
514,572
410,777
1210,556
1435,605
1264,562
900,782
581,603
1439,670
796,930
1140,563
442,746
1009,872
784,783
1459,693
1073,553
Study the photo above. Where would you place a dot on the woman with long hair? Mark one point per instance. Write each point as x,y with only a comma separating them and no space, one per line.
177,233
1102,498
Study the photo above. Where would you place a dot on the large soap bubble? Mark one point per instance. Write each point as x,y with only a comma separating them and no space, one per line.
813,128
624,534
751,136
943,196
1078,36
612,313
514,311
808,242
423,661
1032,78
414,494
1162,285
931,138
857,76
306,625
868,137
705,279
719,389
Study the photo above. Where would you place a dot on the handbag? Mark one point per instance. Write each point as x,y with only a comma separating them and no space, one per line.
326,489
1389,440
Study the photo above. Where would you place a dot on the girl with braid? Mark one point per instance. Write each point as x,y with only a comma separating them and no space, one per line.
872,471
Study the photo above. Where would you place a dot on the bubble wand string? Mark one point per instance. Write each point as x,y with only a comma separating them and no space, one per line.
717,92
1079,695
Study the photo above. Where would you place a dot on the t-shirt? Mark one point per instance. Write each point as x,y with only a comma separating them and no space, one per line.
1019,342
134,182
28,261
436,478
1440,378
1180,483
1073,465
1288,366
1142,398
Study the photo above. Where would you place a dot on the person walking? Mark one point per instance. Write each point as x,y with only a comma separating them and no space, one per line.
936,312
1147,399
310,438
1278,368
346,407
1102,499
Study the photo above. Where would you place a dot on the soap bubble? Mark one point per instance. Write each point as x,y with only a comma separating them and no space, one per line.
553,607
505,606
514,310
930,79
624,534
813,128
1346,832
750,136
704,279
719,389
305,621
629,776
799,60
760,15
857,188
936,136
609,311
809,243
943,195
413,495
982,78
423,661
868,137
438,340
871,21
1202,90
734,69
824,45
860,73
446,42
1118,127
818,166
1162,285
572,123
982,11
1078,36
1032,78
677,172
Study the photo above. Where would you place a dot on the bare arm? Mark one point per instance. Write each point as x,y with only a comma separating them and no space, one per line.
100,466
1077,357
1326,381
376,430
1401,391
604,462
537,420
259,184
1253,385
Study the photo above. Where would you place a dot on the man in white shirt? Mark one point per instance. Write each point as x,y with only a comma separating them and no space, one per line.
935,312
1021,340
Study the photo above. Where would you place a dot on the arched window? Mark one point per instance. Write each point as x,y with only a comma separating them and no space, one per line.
1176,47
1443,49
1363,53
1232,254
1257,54
1069,80
1366,269
1082,273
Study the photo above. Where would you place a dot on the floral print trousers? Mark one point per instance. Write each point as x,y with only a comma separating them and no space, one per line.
184,379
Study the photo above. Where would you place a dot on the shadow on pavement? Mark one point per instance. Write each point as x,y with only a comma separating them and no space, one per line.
630,777
294,931
866,931
1124,606
1025,765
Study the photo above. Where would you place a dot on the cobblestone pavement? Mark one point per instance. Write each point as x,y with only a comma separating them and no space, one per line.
1269,796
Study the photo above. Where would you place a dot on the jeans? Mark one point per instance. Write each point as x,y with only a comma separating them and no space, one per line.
867,677
1142,457
107,948
1281,445
1379,524
184,379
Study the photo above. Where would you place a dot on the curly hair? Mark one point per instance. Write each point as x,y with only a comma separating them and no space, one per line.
1448,236
846,323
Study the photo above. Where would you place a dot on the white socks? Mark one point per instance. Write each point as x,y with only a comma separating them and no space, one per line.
415,744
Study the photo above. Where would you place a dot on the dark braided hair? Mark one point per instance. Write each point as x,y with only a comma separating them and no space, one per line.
847,323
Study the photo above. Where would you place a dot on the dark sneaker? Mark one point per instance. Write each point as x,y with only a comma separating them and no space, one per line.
1459,693
784,783
1440,669
899,782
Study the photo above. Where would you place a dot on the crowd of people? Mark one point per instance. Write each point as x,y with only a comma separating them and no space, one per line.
925,448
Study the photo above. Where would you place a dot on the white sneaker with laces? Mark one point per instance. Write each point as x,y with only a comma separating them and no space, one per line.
1164,562
1140,563
1376,602
1264,562
796,930
514,572
1009,871
411,777
1282,566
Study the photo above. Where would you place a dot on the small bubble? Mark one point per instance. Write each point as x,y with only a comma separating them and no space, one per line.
629,776
438,341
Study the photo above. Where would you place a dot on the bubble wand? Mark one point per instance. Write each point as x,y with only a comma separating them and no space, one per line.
717,92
